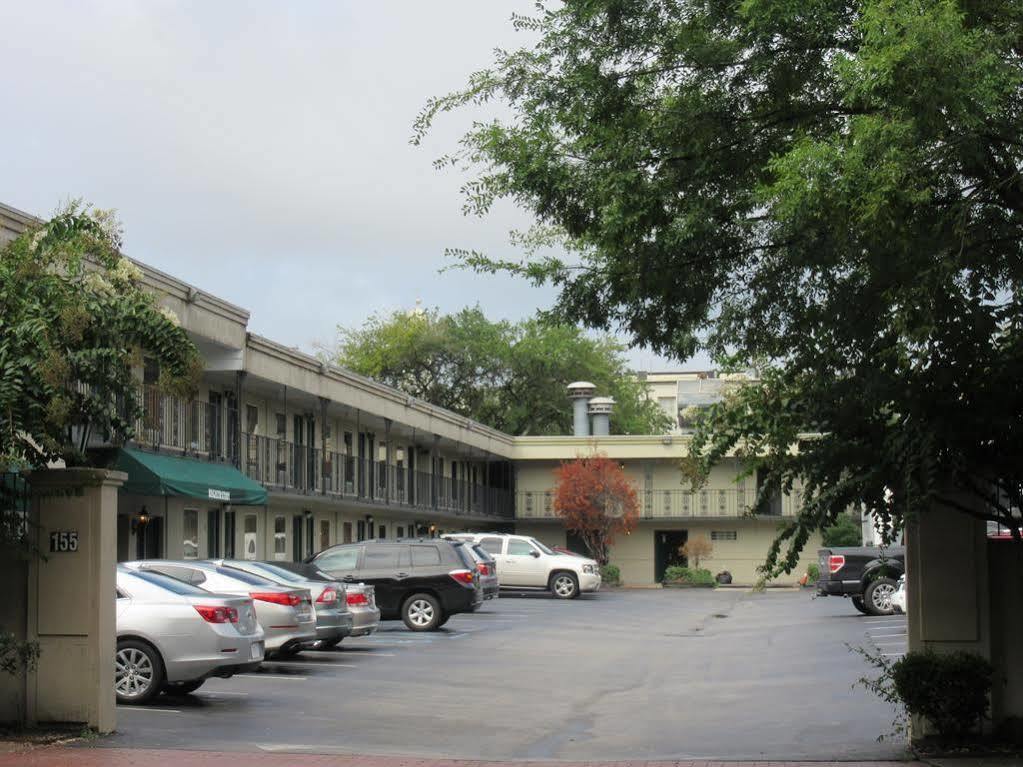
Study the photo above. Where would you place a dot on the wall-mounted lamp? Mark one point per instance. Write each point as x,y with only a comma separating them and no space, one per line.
140,520
307,513
369,518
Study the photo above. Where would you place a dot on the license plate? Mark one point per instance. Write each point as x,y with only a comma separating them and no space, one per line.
256,650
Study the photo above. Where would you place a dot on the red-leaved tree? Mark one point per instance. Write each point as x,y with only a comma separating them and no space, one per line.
596,500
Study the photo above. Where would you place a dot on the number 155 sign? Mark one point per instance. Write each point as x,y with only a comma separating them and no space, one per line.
64,540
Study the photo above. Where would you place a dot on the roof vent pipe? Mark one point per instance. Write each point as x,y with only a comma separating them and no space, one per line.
580,393
600,408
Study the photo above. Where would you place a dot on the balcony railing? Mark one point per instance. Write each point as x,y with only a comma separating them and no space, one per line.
200,429
285,466
668,504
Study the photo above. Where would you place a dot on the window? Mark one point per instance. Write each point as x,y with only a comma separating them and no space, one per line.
401,532
251,418
380,557
360,530
280,538
339,560
175,585
670,407
183,574
282,426
425,556
723,535
349,461
493,545
346,532
519,548
324,534
382,531
190,544
150,370
249,536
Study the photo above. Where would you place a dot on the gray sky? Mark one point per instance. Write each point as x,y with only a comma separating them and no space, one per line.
260,149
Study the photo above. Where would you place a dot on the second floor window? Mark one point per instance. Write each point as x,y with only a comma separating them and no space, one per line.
282,426
251,418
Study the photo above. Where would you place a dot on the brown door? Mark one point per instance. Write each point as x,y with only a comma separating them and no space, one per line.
347,532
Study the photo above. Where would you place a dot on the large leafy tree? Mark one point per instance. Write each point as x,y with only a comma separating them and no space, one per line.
830,190
75,321
510,376
597,501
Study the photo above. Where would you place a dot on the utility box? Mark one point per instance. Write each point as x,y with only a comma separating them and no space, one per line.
71,596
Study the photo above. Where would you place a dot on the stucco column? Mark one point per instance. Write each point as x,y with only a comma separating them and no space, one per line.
71,596
947,589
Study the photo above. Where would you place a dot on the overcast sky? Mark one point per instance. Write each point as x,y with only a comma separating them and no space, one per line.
260,149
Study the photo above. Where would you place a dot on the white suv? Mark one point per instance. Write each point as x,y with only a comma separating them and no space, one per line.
525,563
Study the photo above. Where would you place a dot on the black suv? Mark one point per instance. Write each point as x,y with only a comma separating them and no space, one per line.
421,581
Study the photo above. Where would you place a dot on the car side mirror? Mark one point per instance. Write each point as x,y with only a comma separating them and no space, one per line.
535,554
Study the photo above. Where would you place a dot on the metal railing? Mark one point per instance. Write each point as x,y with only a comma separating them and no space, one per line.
667,504
285,466
14,505
195,428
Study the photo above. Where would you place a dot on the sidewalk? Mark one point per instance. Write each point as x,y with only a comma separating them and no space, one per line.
62,756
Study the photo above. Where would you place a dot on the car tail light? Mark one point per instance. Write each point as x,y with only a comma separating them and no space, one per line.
356,599
328,595
835,563
278,598
462,576
484,568
217,614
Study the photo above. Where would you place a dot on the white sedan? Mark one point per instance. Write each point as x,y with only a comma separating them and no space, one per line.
899,597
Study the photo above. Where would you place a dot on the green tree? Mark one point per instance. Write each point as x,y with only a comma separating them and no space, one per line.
845,532
510,376
828,190
74,323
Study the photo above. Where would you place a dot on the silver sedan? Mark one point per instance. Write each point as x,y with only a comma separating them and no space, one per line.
172,636
333,620
361,598
285,613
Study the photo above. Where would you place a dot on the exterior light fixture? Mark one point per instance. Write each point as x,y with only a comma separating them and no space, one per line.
141,519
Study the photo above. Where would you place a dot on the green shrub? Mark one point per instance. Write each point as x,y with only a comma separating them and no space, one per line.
813,572
948,690
677,574
845,532
611,575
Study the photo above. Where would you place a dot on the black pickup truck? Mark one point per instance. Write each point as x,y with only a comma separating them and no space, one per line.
867,574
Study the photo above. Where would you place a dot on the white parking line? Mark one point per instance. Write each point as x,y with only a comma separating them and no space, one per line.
225,692
889,644
271,676
893,654
297,664
882,636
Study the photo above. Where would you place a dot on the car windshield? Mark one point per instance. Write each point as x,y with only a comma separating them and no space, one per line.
167,583
542,548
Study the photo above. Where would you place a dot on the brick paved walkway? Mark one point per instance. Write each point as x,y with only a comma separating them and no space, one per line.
57,756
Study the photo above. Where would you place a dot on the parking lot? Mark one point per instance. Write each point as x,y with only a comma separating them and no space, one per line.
616,675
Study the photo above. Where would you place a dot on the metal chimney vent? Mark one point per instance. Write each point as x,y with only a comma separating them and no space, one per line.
600,408
580,393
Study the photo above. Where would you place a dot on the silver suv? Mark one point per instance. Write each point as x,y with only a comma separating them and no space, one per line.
526,563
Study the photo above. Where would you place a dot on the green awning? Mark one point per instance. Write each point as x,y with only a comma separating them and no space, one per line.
161,474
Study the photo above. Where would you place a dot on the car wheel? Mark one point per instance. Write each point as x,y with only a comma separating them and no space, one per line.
878,596
183,688
858,604
422,612
564,586
138,672
328,644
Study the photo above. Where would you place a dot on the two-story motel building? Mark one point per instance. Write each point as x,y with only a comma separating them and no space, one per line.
281,455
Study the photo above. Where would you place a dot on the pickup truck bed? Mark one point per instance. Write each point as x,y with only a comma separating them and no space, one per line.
868,575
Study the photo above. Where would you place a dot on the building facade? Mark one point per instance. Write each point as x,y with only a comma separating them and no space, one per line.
280,455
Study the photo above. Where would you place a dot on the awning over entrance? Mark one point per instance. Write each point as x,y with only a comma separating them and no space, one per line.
160,474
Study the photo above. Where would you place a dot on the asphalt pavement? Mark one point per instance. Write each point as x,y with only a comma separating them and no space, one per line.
619,675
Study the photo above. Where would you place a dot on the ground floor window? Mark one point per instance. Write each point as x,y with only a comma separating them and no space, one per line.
190,542
382,531
250,536
324,534
280,538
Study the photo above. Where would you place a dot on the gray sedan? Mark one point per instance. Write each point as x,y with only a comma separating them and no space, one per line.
361,598
333,620
172,636
285,613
